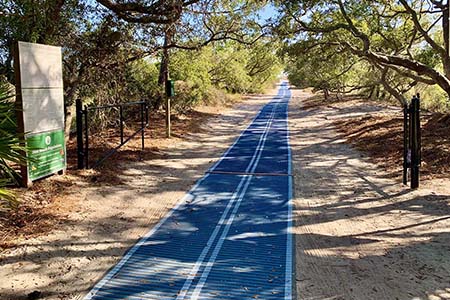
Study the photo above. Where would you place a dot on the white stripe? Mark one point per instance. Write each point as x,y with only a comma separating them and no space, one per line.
251,166
127,256
289,246
221,240
219,244
211,239
238,138
130,252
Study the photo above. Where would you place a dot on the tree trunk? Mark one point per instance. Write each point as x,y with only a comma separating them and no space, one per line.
371,93
415,66
164,67
446,36
69,109
326,94
70,112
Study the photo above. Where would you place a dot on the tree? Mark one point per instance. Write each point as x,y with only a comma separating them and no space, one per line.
153,12
95,62
41,21
241,68
191,25
96,45
100,39
408,38
322,68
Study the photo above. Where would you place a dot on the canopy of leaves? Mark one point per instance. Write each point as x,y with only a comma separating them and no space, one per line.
112,52
404,42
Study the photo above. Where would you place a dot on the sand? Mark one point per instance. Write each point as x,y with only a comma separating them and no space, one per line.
358,234
106,220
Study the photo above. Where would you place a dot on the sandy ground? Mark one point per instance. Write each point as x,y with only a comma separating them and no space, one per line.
108,220
360,235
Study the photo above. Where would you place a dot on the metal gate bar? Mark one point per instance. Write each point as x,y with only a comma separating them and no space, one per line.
82,113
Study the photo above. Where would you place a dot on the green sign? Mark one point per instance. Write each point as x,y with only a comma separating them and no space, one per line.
170,88
40,99
47,154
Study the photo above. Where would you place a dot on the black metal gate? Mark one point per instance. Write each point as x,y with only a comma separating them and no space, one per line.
82,119
411,142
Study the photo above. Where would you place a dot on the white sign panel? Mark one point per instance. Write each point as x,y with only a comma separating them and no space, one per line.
43,110
40,66
40,94
41,87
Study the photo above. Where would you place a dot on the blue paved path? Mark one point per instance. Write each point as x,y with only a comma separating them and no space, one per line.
229,237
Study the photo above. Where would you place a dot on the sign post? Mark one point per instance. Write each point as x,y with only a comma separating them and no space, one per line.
40,103
170,92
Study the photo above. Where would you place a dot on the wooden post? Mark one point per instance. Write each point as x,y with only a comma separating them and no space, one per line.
164,75
80,146
168,122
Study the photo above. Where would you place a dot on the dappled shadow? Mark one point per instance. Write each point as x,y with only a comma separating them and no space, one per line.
436,206
317,101
359,233
250,262
260,221
151,162
382,137
377,129
164,170
416,270
106,140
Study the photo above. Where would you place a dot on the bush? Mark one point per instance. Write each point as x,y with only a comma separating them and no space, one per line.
186,96
10,147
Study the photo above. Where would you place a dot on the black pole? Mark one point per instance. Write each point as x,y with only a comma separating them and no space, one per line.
79,117
142,125
147,121
121,123
415,142
405,144
419,133
86,132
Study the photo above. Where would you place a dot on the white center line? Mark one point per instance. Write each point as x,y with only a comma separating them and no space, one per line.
238,194
221,240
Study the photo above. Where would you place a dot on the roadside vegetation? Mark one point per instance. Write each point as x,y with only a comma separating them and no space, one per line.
370,53
11,150
360,58
124,51
381,50
116,53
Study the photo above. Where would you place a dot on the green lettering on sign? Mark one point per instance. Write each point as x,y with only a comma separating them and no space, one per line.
47,154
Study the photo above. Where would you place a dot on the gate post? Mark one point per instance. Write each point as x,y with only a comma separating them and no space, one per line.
415,141
406,162
79,119
142,126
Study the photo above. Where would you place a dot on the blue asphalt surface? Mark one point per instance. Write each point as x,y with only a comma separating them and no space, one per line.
229,238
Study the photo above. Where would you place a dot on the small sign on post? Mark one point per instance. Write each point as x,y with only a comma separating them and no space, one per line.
170,88
40,102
